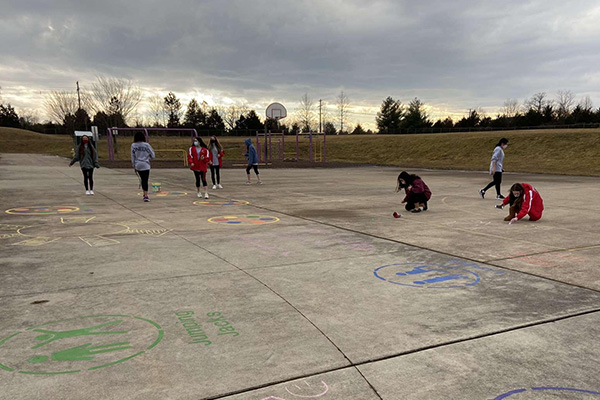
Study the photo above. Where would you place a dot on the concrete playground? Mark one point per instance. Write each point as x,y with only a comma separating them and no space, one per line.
303,287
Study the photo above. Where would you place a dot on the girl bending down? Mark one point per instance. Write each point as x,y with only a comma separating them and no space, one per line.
417,192
524,200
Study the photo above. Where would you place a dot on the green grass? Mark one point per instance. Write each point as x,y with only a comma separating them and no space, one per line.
571,152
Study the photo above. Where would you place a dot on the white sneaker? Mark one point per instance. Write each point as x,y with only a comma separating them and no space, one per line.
214,187
206,195
248,183
199,194
219,186
92,192
259,183
87,192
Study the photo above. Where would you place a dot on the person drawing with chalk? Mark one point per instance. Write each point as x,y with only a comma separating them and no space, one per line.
524,200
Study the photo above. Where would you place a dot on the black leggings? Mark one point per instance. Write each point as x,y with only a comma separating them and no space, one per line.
144,176
250,167
88,176
200,175
414,198
497,181
217,169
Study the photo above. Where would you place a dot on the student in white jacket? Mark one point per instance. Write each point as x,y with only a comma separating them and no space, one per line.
496,168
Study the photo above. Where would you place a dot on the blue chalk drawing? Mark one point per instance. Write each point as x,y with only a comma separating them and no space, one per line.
430,276
583,392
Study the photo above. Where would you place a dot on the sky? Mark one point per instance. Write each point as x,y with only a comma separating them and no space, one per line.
453,55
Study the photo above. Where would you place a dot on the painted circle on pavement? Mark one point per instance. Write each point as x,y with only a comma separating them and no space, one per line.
545,391
76,344
221,203
243,220
42,210
164,194
429,276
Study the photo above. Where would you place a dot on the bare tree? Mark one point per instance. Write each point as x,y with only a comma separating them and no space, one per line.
564,103
306,113
59,104
232,114
343,104
586,104
537,102
158,111
114,95
510,109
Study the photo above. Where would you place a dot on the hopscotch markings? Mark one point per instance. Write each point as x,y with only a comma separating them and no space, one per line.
36,241
153,232
76,220
99,241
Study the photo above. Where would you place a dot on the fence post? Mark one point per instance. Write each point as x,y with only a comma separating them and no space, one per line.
147,135
282,155
257,147
324,146
111,149
270,148
297,147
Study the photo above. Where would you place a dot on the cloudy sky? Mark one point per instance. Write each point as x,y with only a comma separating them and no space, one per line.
453,55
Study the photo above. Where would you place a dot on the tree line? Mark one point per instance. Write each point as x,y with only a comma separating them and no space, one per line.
113,102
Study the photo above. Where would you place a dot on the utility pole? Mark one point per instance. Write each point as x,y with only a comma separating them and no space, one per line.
320,119
78,96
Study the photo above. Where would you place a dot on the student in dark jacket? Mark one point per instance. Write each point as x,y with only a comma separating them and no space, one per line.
252,157
417,192
87,156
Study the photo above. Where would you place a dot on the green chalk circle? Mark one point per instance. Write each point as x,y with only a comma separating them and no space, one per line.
73,345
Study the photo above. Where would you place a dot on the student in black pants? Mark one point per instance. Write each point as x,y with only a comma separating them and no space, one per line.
87,156
496,169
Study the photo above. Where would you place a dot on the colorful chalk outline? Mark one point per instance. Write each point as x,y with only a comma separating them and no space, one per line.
427,276
243,220
546,389
31,239
165,193
42,210
81,356
221,203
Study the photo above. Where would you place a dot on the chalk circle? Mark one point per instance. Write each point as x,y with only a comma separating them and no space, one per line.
77,344
164,194
542,393
221,203
42,210
428,276
243,220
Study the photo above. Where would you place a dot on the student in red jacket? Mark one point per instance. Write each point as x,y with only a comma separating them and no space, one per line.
417,192
199,159
524,200
216,156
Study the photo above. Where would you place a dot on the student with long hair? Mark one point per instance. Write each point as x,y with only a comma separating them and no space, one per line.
496,168
141,155
417,192
524,200
199,159
87,156
216,154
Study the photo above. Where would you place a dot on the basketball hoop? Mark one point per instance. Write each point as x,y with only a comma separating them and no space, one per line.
276,111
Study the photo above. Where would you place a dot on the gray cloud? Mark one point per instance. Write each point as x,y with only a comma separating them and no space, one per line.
453,55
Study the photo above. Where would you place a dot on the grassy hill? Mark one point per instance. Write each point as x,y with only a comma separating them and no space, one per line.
572,152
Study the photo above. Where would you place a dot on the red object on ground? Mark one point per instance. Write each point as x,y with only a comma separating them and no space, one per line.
396,215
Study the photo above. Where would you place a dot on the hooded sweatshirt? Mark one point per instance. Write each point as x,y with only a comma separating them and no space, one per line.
141,154
251,154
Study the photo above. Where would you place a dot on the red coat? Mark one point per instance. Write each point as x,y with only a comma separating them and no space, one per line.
532,203
220,155
418,186
200,159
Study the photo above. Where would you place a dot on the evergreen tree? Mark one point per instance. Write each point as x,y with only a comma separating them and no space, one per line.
8,116
214,121
173,107
195,117
389,118
416,117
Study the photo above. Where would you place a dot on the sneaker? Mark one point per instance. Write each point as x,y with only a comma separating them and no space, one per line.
482,193
219,186
206,195
396,215
214,187
92,192
425,208
499,197
199,194
248,183
259,183
415,210
87,192
146,199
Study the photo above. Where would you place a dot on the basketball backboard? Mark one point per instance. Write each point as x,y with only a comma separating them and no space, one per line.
276,111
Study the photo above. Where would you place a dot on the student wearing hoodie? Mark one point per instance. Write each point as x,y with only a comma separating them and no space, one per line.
496,168
252,157
216,153
199,159
87,156
524,200
417,192
141,155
